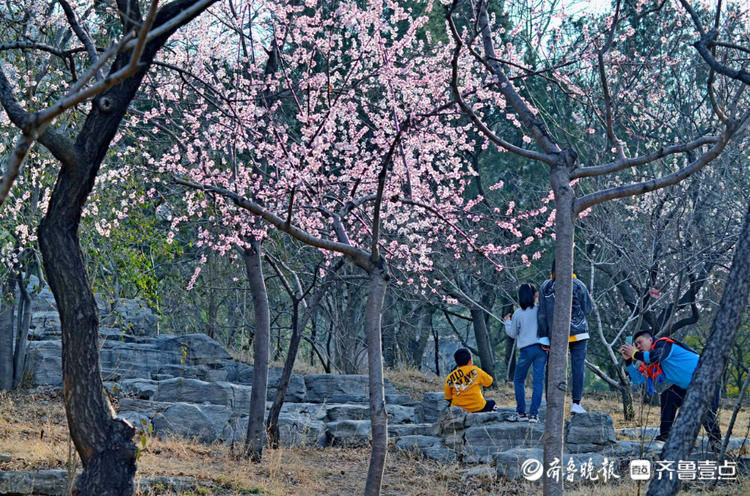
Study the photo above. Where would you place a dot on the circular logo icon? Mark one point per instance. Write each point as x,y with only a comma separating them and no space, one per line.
532,469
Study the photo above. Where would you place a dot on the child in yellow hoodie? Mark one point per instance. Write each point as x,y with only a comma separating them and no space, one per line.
463,386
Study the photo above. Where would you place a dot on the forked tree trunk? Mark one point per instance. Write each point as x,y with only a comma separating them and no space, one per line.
557,382
713,360
378,417
256,430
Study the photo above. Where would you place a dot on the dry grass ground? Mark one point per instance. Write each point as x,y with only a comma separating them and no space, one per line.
33,433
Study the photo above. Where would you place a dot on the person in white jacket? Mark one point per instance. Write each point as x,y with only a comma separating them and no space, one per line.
533,352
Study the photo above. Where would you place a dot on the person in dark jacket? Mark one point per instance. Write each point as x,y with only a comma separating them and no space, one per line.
579,330
669,362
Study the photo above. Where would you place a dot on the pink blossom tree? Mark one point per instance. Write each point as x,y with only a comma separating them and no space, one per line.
331,123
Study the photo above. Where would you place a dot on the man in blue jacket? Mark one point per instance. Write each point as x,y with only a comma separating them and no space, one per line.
669,362
579,331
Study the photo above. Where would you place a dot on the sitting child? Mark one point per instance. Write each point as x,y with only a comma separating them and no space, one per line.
463,386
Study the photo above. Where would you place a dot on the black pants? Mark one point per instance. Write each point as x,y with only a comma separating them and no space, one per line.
487,406
671,400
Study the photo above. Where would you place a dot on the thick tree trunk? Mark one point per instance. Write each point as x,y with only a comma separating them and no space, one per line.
256,431
378,417
482,336
558,358
713,360
6,334
23,321
102,441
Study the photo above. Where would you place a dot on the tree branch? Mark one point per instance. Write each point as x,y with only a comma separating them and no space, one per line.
360,257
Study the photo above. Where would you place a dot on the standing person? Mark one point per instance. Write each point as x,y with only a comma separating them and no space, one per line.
668,361
463,386
579,330
523,328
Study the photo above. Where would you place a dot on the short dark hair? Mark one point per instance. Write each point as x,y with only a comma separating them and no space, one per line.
462,357
642,333
526,293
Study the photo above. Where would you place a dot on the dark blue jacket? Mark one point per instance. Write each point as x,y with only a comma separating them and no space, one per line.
582,305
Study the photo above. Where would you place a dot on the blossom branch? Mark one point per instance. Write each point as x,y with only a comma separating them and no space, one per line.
360,257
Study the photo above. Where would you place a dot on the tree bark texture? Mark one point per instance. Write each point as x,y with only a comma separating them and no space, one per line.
714,358
557,382
256,430
378,417
6,333
482,336
103,442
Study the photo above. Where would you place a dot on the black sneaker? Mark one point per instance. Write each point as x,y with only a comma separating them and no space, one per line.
518,417
533,419
661,437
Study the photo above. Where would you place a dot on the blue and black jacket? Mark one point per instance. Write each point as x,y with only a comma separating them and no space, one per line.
667,361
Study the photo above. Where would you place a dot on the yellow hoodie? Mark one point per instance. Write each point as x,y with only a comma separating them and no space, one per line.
463,387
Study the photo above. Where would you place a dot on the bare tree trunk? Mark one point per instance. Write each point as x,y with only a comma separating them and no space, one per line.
558,358
378,417
256,431
6,334
713,360
272,424
482,336
22,332
298,327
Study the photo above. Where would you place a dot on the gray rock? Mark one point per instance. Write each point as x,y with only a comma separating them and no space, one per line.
133,315
143,389
417,443
5,458
42,482
401,430
482,418
194,349
349,433
205,423
234,396
146,407
450,421
140,422
590,428
440,454
315,411
296,429
330,388
647,432
433,404
397,414
44,362
481,442
240,373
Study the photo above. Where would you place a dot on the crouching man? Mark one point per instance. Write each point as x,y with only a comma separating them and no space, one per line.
669,362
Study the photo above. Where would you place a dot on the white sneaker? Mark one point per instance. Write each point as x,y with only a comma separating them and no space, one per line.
577,408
